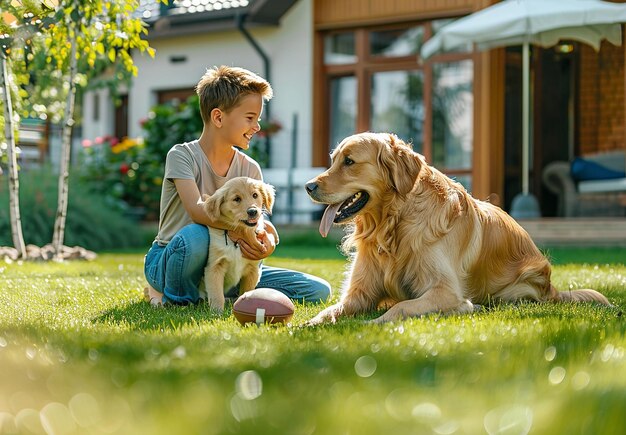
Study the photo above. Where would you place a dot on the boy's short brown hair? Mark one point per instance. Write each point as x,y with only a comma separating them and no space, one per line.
223,87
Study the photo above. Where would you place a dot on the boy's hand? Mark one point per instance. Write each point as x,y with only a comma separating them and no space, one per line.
261,247
266,240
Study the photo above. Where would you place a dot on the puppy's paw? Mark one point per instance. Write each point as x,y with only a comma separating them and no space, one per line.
216,305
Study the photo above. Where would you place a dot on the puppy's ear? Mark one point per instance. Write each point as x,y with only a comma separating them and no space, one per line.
401,164
268,193
212,205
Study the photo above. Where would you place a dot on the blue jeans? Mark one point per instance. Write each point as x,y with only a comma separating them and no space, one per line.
177,268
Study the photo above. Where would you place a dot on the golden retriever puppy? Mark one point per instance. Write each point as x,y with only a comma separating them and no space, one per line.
238,205
420,243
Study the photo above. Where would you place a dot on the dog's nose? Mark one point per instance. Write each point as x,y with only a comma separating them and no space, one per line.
252,212
310,187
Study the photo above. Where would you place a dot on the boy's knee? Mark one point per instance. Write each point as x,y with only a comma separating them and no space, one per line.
196,233
191,244
194,238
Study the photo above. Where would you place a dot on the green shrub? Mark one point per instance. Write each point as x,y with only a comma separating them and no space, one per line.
92,221
129,171
123,171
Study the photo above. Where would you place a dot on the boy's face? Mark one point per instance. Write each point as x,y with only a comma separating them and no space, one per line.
242,122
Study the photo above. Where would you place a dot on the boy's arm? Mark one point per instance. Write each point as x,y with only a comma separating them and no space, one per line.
191,199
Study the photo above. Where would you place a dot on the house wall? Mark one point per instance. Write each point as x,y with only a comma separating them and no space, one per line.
337,13
288,46
101,124
601,87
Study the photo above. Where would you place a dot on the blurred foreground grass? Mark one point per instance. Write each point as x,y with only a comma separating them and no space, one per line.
81,353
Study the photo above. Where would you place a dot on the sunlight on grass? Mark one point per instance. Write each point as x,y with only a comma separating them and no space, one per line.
81,353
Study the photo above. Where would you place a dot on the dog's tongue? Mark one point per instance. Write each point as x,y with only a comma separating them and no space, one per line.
327,219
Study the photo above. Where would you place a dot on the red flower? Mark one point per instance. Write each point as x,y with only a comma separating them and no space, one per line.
124,168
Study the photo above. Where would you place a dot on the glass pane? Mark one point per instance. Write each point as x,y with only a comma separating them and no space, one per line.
438,24
453,114
343,109
465,180
397,42
339,49
397,105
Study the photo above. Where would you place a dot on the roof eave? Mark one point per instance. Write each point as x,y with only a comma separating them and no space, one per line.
261,13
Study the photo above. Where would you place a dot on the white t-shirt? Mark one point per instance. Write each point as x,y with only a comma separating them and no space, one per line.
188,161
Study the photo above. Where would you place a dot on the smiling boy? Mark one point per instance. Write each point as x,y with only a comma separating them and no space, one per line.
231,103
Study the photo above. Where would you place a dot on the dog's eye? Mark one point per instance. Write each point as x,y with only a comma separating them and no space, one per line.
255,195
237,199
348,161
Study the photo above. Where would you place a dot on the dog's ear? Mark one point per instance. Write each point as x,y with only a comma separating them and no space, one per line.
212,205
401,163
268,193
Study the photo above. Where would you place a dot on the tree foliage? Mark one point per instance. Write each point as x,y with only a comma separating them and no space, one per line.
36,34
52,47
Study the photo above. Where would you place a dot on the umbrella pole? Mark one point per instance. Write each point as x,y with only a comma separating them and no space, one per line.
525,205
525,116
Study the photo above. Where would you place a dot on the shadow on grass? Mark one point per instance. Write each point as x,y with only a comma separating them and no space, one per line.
141,316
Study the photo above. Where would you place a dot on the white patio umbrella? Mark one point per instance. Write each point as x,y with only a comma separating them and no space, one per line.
525,22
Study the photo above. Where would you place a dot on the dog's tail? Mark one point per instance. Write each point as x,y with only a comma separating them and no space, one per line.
582,295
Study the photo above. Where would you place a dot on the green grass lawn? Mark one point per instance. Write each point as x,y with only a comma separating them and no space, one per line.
81,353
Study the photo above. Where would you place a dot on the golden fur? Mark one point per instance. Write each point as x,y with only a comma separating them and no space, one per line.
237,205
421,243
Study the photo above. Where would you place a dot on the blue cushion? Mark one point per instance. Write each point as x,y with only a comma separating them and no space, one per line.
583,170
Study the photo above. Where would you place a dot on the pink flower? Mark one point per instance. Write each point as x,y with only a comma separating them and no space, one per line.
87,143
99,140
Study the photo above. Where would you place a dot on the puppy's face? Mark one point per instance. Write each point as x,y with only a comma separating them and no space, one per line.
240,201
365,168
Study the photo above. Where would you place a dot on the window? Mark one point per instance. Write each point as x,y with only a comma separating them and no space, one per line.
397,105
342,108
121,117
372,81
96,106
452,102
339,49
396,42
174,96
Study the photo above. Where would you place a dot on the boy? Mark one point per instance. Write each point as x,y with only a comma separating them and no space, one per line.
231,102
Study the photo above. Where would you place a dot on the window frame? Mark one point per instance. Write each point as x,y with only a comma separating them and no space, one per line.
363,69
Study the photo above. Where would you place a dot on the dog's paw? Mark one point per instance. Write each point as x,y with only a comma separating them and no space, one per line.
376,321
328,315
317,320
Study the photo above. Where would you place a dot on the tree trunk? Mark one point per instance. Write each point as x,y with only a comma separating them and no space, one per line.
64,166
14,185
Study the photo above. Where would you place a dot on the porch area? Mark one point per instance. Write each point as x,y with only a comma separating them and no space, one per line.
550,232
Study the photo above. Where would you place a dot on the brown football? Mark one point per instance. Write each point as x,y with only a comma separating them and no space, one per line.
263,305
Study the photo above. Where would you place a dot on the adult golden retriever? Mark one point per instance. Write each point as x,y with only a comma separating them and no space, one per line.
420,242
238,205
